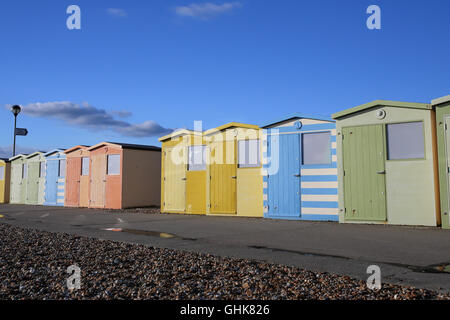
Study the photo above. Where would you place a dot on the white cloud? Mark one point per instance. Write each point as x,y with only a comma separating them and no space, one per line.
206,10
117,12
90,117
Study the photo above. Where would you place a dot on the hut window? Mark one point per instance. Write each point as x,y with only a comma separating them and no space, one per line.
62,168
113,164
24,170
248,153
85,166
2,173
41,169
316,148
405,141
197,158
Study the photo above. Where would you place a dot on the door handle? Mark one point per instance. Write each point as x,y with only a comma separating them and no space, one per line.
297,175
381,172
233,177
184,179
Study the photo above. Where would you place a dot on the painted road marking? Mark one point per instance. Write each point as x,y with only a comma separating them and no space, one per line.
45,215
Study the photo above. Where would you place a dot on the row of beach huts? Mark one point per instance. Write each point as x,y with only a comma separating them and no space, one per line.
385,162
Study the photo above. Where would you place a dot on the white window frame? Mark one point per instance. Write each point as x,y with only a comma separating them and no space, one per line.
59,167
330,157
42,169
247,163
388,153
24,170
107,164
82,166
196,166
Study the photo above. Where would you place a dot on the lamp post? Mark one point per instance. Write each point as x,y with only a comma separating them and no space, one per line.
15,109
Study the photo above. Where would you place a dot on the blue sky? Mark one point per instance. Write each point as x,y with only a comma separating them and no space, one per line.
151,66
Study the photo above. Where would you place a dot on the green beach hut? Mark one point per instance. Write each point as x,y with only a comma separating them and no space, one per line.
35,178
387,172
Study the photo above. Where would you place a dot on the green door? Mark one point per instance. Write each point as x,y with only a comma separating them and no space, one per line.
364,173
33,183
447,146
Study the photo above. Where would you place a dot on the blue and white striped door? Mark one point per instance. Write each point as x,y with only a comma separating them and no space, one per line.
283,196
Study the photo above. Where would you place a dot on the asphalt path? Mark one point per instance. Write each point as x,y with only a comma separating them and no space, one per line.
412,256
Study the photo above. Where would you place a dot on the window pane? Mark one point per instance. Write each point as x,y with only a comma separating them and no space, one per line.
316,148
113,164
242,148
405,141
196,159
24,170
2,173
253,153
248,153
42,169
85,166
62,168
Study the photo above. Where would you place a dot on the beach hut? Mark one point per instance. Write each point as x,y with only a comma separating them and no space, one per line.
442,107
387,167
124,175
183,172
55,177
76,193
235,170
300,169
35,178
5,180
18,189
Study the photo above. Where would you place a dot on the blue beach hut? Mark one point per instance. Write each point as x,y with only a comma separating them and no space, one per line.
55,178
300,169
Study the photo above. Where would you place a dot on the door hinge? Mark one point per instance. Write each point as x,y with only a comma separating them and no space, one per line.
448,169
344,172
445,126
345,210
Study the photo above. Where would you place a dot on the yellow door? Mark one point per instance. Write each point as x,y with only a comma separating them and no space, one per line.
196,180
223,177
2,183
174,180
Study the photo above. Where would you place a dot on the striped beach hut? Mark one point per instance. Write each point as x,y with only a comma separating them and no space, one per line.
300,169
55,177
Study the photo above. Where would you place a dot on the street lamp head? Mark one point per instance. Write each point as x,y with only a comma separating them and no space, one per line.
15,109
